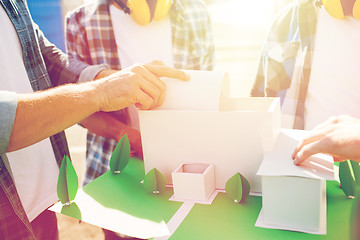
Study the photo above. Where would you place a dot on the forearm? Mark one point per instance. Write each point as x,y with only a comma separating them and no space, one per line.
103,124
42,114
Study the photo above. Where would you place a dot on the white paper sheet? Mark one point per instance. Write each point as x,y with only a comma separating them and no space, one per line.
115,220
201,92
279,162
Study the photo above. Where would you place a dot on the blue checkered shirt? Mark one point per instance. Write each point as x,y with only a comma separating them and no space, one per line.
46,67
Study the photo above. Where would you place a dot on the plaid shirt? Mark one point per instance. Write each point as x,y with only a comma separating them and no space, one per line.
287,56
46,67
90,38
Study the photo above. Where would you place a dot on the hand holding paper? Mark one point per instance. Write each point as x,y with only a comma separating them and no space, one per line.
339,136
138,84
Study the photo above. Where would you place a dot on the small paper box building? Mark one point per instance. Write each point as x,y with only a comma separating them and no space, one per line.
199,120
294,197
194,182
294,202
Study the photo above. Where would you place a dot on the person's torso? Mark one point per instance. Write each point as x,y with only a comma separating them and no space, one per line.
34,169
335,76
141,44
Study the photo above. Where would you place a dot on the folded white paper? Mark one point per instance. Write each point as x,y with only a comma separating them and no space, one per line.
279,162
201,92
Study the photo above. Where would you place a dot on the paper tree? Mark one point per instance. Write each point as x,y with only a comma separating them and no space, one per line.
120,156
349,175
67,185
71,210
238,188
154,181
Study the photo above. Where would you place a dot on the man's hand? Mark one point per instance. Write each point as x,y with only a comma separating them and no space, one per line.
338,136
45,113
139,85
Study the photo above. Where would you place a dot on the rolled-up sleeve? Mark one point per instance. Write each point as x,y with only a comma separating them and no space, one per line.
8,104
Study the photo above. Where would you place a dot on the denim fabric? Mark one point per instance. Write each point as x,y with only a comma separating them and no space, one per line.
46,66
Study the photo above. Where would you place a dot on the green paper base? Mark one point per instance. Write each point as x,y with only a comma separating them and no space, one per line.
225,219
124,192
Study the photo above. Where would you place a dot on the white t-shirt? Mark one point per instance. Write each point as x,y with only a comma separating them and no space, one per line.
334,85
141,44
34,168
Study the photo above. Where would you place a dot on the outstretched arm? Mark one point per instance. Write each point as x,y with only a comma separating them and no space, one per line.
339,137
42,114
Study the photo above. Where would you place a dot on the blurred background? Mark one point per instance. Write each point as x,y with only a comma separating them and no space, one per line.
239,29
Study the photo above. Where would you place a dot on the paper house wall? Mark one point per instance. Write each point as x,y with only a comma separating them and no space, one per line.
296,203
294,197
200,123
194,182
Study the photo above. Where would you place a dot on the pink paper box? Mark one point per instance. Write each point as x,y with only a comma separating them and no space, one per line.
194,182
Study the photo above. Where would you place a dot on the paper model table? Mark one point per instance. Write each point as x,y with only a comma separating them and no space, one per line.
110,200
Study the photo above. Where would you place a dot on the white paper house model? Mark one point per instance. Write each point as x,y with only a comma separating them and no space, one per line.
294,197
194,182
200,121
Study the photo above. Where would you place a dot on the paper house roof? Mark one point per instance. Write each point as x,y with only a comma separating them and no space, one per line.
279,162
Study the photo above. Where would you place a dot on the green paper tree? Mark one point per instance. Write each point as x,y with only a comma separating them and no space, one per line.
67,185
71,210
154,181
238,188
120,156
349,175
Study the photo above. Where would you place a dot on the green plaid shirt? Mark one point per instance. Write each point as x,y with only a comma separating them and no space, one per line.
90,38
289,41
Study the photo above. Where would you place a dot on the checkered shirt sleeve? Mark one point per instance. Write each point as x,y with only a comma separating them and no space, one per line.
290,38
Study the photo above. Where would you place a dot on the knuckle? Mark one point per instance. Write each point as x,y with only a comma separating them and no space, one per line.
136,78
335,119
332,119
343,117
137,68
327,141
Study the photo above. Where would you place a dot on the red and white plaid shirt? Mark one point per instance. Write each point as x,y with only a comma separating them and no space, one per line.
90,38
